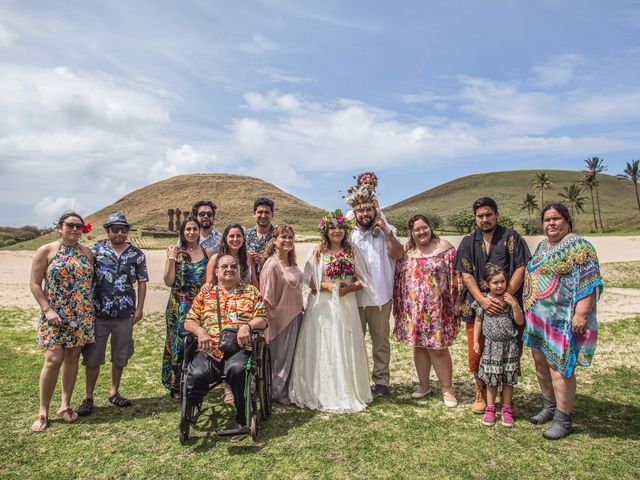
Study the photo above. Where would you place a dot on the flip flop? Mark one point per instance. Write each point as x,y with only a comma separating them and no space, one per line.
228,396
119,401
41,423
68,415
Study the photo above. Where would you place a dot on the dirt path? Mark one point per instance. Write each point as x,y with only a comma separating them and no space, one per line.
616,303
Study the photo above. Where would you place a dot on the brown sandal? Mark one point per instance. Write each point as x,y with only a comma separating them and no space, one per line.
41,423
68,415
228,395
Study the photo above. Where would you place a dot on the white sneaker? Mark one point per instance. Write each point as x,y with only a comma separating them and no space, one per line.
449,400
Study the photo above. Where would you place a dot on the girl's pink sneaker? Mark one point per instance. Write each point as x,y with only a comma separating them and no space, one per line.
489,419
507,417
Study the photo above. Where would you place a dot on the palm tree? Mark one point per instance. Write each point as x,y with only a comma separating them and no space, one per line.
530,204
542,182
595,166
632,173
573,195
589,181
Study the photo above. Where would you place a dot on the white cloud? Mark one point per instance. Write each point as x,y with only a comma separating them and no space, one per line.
49,209
6,36
559,70
273,101
276,75
258,44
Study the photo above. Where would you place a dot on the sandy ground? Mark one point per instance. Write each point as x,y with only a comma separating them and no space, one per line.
616,303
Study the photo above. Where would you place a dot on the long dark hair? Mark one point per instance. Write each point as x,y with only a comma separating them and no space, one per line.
182,242
271,247
223,248
345,245
411,244
562,210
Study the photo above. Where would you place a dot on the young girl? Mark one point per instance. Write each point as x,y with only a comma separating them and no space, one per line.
499,362
369,180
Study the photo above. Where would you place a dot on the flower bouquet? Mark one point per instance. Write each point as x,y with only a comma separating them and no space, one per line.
340,267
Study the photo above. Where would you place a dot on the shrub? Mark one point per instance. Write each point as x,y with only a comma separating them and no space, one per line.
401,219
462,221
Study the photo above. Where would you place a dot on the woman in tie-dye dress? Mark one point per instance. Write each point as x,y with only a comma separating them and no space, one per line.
562,286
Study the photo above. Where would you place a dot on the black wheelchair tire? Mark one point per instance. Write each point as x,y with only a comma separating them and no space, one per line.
264,390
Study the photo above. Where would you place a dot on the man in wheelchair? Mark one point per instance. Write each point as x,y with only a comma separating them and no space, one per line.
229,305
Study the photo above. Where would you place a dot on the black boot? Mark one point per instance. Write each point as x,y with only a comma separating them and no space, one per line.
561,426
546,414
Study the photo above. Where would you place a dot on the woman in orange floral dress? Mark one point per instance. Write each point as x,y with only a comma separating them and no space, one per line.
67,319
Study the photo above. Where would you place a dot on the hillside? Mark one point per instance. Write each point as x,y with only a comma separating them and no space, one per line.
233,194
617,198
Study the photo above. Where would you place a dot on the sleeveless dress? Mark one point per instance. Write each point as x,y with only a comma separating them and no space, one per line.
189,279
68,286
330,367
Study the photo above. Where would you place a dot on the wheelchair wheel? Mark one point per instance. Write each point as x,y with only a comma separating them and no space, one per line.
253,427
251,401
185,418
264,390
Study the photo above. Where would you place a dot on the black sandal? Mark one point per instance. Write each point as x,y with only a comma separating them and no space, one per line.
119,401
85,408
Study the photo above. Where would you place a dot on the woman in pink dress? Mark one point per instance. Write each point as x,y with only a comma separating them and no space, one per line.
281,289
426,305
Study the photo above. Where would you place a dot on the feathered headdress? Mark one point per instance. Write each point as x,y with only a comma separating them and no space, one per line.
360,197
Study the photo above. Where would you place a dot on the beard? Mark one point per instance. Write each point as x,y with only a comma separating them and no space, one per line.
488,228
365,222
206,223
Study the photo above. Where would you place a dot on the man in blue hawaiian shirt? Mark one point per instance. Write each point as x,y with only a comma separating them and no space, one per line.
205,212
118,265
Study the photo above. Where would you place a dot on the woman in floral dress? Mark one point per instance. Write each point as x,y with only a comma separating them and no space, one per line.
184,273
426,305
67,319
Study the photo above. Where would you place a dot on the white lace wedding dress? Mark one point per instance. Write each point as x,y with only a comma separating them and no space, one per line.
330,367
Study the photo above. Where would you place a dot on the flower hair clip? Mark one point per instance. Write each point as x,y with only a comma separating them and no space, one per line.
87,228
333,220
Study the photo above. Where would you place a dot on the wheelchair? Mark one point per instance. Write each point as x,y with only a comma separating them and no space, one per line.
258,406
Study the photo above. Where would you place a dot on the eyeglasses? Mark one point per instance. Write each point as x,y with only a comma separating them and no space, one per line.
228,267
74,226
418,231
115,229
205,214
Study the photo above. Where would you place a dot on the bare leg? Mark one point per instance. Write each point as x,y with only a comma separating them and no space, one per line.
492,393
69,375
116,376
422,361
441,361
49,377
507,395
91,374
543,374
565,391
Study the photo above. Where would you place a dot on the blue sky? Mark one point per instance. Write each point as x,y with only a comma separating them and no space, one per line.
100,98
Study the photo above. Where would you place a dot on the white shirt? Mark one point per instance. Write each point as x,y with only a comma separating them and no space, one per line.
375,254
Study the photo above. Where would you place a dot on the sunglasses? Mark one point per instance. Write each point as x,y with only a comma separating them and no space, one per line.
74,226
228,267
205,214
115,229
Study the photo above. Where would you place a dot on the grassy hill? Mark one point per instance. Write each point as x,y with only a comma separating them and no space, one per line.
617,198
233,194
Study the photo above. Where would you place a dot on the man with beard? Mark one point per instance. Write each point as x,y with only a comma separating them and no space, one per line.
258,237
118,265
380,253
503,247
205,212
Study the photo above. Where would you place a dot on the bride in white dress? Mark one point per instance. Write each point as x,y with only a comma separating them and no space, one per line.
330,367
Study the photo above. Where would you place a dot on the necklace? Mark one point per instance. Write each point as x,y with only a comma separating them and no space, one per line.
284,275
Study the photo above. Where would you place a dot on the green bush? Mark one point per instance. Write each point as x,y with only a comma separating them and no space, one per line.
462,221
400,220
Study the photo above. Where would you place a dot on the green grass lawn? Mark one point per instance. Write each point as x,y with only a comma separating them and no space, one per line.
621,274
396,437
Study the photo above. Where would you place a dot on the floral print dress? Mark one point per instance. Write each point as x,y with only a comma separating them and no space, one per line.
424,294
189,279
68,286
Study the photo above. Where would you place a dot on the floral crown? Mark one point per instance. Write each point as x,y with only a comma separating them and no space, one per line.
360,178
333,220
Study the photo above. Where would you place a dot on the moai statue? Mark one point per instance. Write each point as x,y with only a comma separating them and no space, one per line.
170,212
178,220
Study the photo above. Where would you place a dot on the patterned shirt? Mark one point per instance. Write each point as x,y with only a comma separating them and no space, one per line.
114,295
257,244
508,250
212,241
238,307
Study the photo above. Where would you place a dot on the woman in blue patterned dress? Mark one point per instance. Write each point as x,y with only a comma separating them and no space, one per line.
185,273
562,285
67,319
